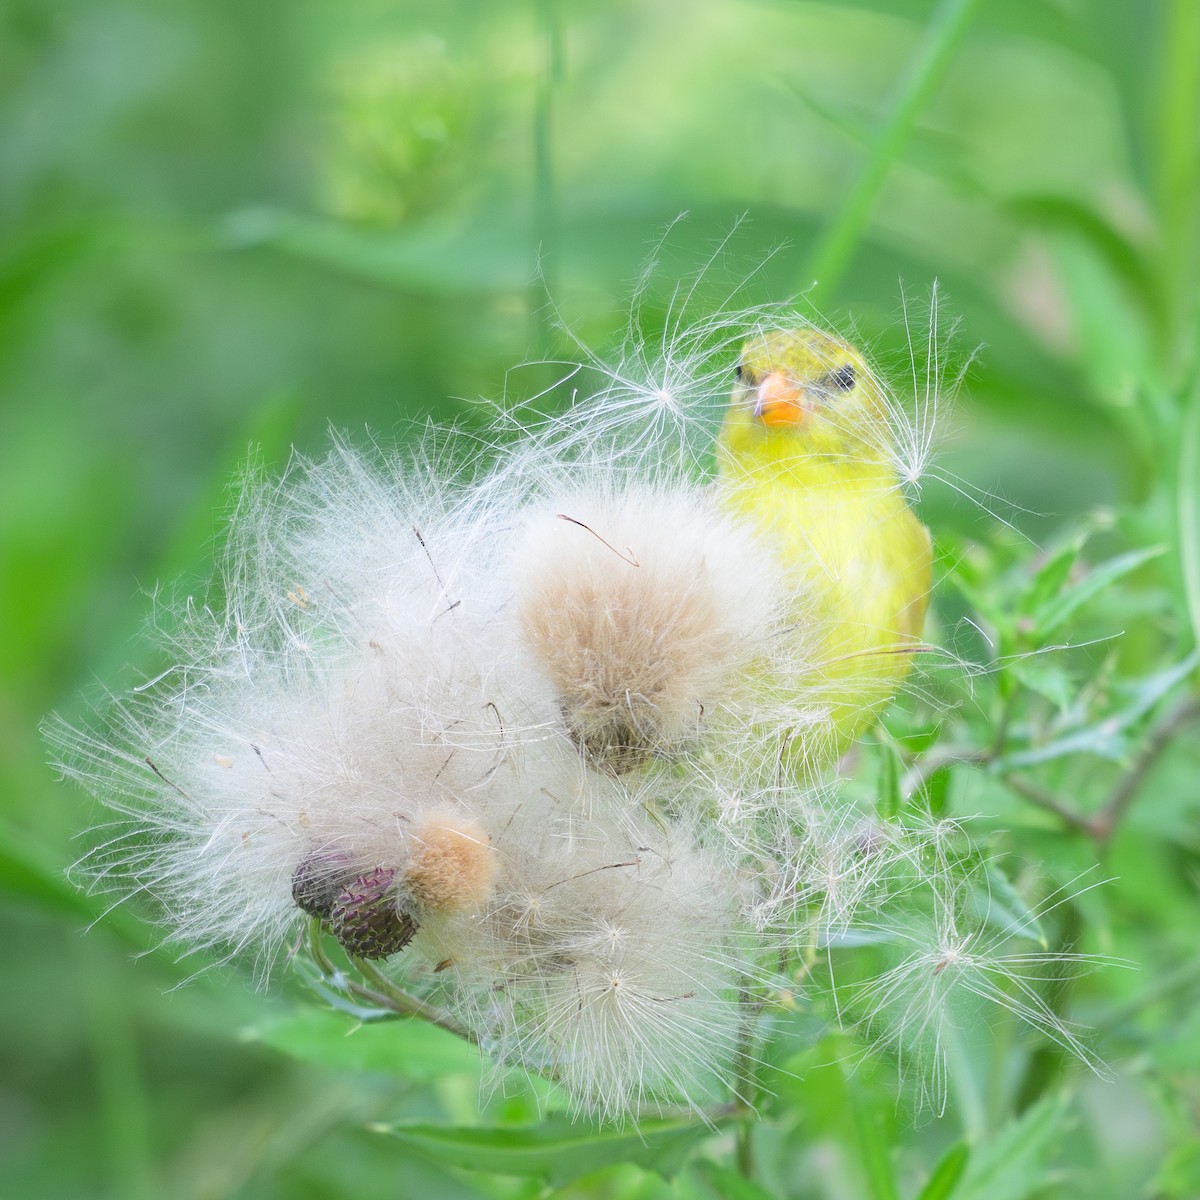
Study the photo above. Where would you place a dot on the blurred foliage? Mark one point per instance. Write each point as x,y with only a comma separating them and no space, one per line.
225,224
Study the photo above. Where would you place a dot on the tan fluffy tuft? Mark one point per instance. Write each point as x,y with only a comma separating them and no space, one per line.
452,866
636,610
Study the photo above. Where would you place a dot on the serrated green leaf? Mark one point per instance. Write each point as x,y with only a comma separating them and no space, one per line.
947,1174
557,1151
410,1048
1012,1165
1062,606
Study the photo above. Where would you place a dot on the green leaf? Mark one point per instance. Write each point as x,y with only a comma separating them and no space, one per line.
874,1144
730,1185
28,876
1110,322
1002,907
970,573
1046,679
1179,1175
947,1174
1125,260
890,800
1051,576
1149,691
1062,606
1188,507
410,1048
936,792
424,260
263,442
941,39
1012,1165
557,1151
1105,738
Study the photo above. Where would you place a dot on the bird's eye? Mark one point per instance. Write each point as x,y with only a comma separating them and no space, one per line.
843,378
739,373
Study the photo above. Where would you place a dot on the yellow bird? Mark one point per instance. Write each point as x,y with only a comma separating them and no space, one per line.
807,453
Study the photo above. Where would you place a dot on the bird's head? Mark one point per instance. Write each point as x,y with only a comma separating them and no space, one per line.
800,394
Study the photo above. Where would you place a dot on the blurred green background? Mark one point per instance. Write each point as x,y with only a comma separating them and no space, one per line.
225,224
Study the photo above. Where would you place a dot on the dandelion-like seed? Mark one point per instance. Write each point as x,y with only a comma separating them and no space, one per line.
961,962
621,980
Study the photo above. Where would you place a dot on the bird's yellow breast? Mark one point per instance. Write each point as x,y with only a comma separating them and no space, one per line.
859,562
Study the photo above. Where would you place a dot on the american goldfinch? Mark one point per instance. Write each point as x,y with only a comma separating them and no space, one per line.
807,455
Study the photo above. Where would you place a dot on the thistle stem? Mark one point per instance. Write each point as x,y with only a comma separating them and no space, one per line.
1099,826
385,994
408,1005
1127,787
745,1080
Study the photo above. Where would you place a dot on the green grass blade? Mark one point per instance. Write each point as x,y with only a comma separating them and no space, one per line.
1188,504
835,248
947,1174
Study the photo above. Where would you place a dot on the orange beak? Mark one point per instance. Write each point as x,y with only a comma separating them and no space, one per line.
778,402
